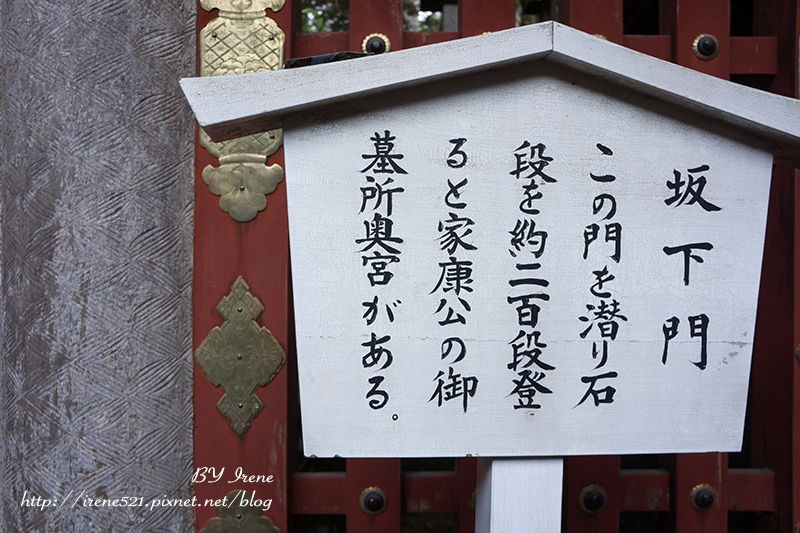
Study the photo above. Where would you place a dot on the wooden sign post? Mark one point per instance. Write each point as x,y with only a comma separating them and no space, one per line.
519,495
533,243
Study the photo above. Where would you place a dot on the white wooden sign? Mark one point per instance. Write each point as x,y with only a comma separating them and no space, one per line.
522,264
532,242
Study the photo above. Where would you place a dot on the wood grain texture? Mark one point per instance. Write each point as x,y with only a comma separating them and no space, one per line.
96,252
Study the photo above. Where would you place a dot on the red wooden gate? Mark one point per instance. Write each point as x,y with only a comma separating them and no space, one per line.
755,490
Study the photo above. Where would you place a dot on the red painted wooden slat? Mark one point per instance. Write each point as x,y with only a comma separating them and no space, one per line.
685,20
782,19
592,470
367,17
775,381
421,38
644,490
692,470
748,489
599,17
467,479
316,44
654,45
754,55
365,473
318,493
225,249
481,16
211,423
751,489
771,373
793,64
795,409
286,19
425,492
376,16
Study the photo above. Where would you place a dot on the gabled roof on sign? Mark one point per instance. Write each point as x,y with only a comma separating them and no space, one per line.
232,106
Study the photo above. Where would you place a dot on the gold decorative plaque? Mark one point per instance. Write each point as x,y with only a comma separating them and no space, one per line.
242,39
239,513
240,356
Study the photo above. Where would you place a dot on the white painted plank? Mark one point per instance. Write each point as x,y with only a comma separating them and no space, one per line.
658,407
515,495
231,106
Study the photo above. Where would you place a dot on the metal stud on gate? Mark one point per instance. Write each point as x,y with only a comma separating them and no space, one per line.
373,501
704,497
592,499
376,43
705,47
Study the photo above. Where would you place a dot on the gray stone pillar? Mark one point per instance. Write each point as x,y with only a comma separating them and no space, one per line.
96,206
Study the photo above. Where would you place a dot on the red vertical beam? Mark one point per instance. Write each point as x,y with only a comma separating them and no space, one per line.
775,381
795,408
781,449
685,20
603,18
603,473
363,474
466,469
481,16
367,17
773,365
286,19
258,251
376,16
781,18
693,471
600,17
206,289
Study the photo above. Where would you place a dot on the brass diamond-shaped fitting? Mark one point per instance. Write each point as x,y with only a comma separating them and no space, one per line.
240,356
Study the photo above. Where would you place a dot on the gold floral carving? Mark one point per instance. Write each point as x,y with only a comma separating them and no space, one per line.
242,39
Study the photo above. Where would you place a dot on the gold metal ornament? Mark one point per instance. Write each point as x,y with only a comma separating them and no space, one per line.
376,43
242,6
237,512
373,501
705,47
703,497
240,356
592,499
240,40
